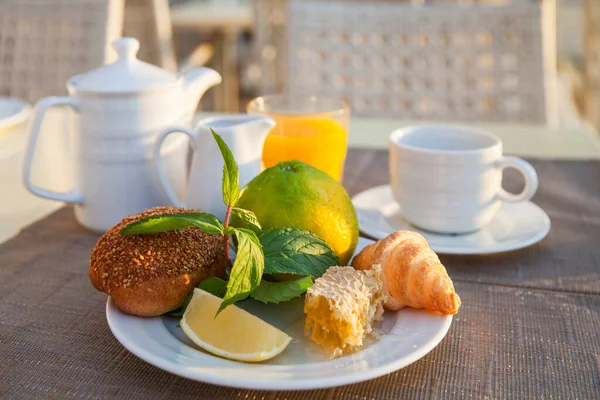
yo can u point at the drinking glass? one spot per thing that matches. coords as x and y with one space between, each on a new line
312 129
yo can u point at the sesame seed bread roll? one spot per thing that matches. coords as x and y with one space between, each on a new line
149 275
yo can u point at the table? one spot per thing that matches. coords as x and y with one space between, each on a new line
528 326
520 140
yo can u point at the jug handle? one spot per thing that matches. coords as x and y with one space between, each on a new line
162 177
74 195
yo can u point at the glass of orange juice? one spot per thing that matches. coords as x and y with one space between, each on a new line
312 129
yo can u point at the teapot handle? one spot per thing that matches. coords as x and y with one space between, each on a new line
73 196
162 177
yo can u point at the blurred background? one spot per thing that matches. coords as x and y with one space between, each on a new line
259 44
506 61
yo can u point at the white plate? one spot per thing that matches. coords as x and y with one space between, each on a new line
12 112
408 335
516 225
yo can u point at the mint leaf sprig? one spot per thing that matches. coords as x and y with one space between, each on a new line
246 271
288 251
277 292
230 187
163 223
266 292
296 251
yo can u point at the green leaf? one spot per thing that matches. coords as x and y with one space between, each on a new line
214 286
247 269
163 223
251 235
296 251
276 292
231 174
243 190
249 218
229 230
178 312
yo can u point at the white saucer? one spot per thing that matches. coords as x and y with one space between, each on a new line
516 225
405 337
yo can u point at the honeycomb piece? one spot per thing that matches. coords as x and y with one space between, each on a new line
341 307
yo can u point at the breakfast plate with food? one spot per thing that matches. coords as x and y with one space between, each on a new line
401 338
272 298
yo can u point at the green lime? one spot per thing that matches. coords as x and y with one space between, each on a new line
297 195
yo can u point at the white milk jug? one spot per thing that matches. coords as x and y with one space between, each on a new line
243 134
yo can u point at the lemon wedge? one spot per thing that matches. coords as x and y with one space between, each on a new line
234 333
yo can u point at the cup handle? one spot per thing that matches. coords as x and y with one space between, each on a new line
529 174
160 171
73 196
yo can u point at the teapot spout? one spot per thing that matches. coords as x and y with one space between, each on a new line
197 82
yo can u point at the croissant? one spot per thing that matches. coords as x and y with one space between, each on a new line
412 273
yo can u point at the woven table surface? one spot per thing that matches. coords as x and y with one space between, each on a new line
529 326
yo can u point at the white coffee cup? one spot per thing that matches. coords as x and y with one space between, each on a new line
448 179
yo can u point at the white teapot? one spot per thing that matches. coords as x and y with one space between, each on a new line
122 107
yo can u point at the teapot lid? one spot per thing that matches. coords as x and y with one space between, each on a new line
126 74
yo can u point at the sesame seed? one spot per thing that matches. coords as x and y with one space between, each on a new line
115 260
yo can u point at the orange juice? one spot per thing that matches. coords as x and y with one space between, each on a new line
320 142
309 128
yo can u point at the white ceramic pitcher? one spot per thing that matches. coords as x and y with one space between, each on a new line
121 109
243 134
